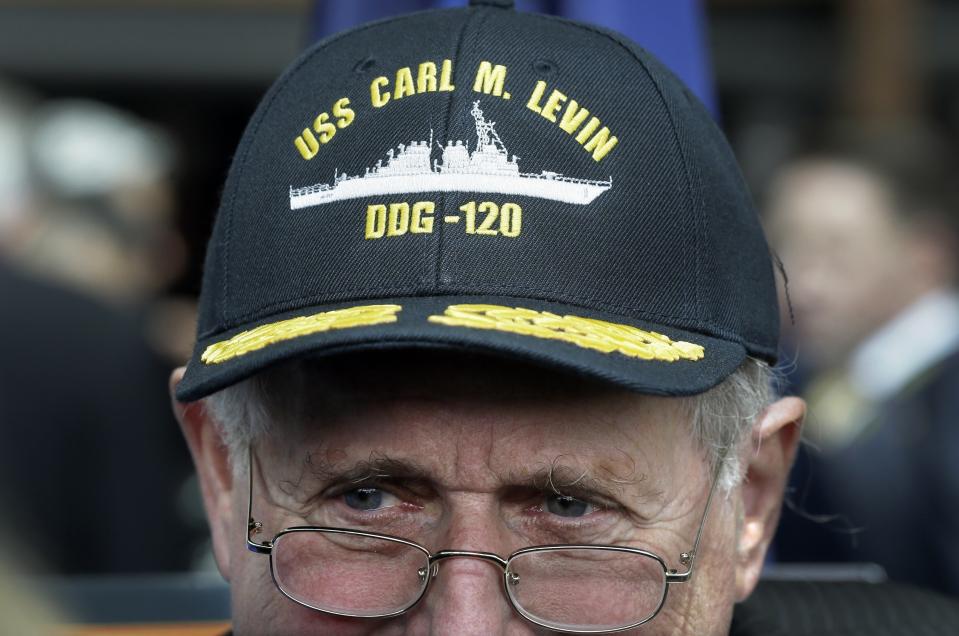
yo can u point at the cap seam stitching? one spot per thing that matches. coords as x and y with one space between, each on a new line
438 261
248 140
679 146
698 219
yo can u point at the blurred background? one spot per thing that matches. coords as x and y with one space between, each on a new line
118 121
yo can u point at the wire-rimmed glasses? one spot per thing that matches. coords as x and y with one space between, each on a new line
581 589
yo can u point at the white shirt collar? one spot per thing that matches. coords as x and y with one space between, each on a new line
914 340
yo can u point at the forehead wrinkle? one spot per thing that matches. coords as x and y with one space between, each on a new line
489 455
660 429
475 449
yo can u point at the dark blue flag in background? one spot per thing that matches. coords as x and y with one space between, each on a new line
673 30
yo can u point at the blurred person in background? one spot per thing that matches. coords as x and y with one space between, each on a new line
104 221
866 233
82 408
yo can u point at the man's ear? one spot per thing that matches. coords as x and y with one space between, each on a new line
211 459
775 437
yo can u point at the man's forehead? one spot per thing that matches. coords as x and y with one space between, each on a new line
426 413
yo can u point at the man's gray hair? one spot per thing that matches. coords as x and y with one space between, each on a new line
720 419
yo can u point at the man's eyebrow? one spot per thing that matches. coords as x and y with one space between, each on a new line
376 466
562 478
561 475
565 480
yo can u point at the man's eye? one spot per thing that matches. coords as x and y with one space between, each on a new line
566 506
368 499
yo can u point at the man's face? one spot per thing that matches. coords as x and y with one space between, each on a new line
836 232
482 456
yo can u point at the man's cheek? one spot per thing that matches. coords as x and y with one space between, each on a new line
303 620
259 609
282 617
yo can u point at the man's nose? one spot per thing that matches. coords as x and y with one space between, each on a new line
467 598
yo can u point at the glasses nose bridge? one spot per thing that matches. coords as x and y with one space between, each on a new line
488 557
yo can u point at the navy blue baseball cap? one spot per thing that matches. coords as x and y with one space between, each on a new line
489 181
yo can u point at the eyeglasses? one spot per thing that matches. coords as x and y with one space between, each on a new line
580 589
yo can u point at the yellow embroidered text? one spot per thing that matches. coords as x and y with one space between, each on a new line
325 127
404 85
399 219
510 217
265 335
589 333
598 142
489 79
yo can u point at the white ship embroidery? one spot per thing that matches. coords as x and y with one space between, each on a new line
489 168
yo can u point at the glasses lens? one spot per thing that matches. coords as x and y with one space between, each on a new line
349 574
586 589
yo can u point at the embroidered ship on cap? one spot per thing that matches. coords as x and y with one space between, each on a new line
489 168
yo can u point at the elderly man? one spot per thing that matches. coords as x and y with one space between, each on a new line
443 388
475 459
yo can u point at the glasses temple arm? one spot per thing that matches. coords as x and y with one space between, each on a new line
688 558
253 527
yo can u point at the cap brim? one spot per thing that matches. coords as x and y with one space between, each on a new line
224 359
